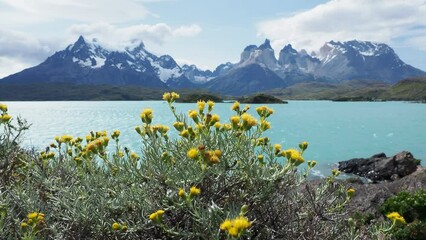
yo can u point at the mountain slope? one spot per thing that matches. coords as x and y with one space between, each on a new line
362 60
88 63
245 80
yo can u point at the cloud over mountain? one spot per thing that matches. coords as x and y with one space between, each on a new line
342 20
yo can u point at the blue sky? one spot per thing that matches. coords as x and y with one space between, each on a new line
204 32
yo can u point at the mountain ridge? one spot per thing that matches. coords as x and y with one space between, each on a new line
88 62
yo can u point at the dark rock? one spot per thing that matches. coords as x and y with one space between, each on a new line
369 197
261 98
379 167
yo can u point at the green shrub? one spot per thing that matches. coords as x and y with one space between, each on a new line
216 180
410 205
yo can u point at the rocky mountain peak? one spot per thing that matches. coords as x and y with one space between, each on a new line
265 45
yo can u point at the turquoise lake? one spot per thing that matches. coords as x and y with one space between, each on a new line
335 130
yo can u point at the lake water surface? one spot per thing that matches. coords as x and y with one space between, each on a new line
335 130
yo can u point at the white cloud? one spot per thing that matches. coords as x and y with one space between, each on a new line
386 21
22 12
116 36
10 65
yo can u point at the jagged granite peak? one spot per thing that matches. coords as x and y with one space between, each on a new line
292 60
263 55
265 45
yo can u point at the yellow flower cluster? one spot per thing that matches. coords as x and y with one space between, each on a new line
212 156
63 139
3 107
303 146
396 218
117 226
34 219
157 216
350 192
97 145
236 106
170 96
115 134
192 153
194 191
47 155
236 226
293 156
146 115
312 164
264 111
4 117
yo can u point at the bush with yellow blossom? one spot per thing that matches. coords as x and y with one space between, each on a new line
217 178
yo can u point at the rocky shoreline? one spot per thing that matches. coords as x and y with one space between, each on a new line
386 176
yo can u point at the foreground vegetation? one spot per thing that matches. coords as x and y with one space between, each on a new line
220 179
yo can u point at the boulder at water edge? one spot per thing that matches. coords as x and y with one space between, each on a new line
379 167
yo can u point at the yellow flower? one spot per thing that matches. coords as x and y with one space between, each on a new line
175 96
217 125
235 120
233 231
235 226
65 138
24 225
134 156
226 225
167 96
277 147
120 153
396 218
218 153
192 153
264 111
194 191
236 106
32 215
3 107
179 126
124 228
241 223
147 116
157 216
185 133
153 216
6 117
193 114
201 105
215 119
181 193
350 192
116 226
248 120
303 145
210 105
170 97
265 125
115 134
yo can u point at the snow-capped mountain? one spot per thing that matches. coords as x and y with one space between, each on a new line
362 60
88 62
91 63
335 61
